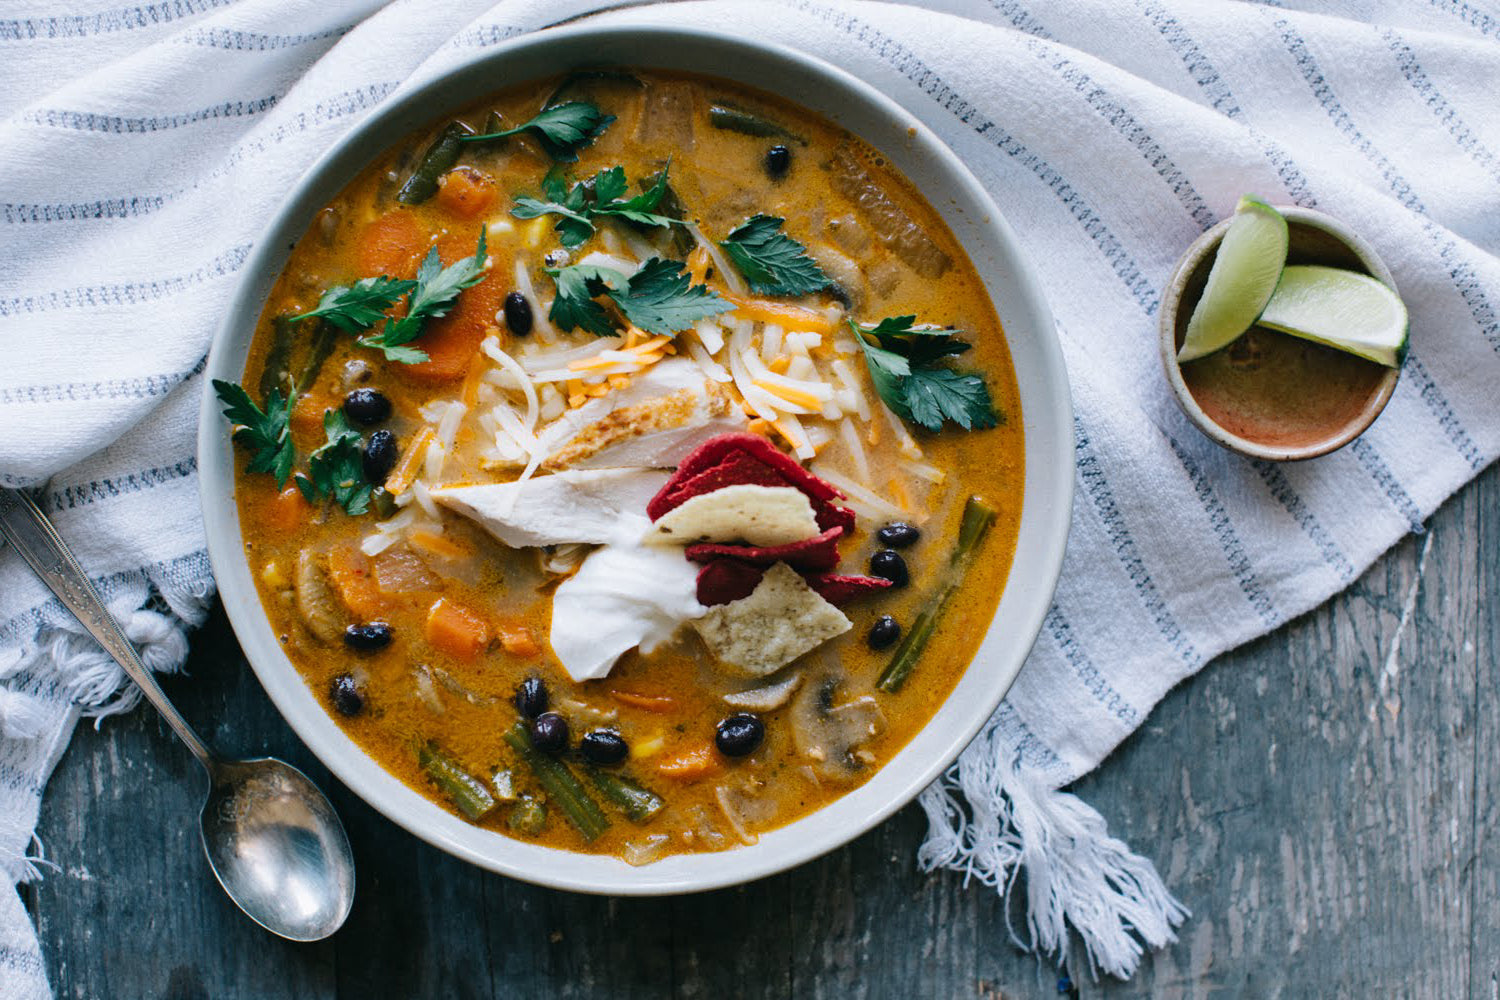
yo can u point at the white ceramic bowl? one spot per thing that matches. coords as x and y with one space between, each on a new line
1046 412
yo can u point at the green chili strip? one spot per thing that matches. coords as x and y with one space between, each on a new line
277 374
977 518
466 791
560 784
635 801
440 158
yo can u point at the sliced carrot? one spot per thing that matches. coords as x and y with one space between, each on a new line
307 420
697 761
645 702
518 641
451 342
349 572
465 192
456 630
781 313
392 244
289 512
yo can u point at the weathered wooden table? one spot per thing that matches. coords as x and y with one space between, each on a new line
1325 800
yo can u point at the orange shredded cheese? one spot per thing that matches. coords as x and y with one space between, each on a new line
780 364
405 472
797 397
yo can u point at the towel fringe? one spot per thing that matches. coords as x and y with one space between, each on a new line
1009 822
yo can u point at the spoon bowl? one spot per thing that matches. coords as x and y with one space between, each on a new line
277 847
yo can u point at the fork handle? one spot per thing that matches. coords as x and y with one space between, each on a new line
32 535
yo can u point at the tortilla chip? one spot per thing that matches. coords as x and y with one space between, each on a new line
755 515
816 554
840 590
725 580
780 620
735 459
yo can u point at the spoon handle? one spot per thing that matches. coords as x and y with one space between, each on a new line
31 534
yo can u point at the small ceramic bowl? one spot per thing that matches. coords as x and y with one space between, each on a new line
1269 395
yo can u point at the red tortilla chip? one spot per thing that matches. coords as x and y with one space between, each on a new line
738 459
818 553
725 580
840 590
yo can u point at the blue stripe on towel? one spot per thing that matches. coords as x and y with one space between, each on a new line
142 387
1096 484
1371 460
1445 112
1442 411
129 19
130 292
255 41
1229 539
1095 682
87 121
1274 476
83 494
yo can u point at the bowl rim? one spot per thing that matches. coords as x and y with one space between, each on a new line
1167 341
1047 418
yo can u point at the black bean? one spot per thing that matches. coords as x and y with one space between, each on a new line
778 162
531 697
890 566
347 697
518 314
367 406
739 735
604 746
884 632
380 456
898 535
369 636
549 733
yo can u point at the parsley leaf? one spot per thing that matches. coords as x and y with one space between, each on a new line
432 295
562 130
356 308
659 298
267 431
574 305
907 372
336 469
772 262
600 195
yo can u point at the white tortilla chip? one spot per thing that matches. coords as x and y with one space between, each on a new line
782 619
755 515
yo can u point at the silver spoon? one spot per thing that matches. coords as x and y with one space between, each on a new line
272 838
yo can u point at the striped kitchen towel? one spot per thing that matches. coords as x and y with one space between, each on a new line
142 148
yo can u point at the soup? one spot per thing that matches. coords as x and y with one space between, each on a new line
632 464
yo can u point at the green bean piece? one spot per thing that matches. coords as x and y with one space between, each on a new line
528 815
560 784
977 517
440 158
325 338
733 119
462 788
637 802
577 82
277 374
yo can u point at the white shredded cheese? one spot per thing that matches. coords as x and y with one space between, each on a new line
856 449
864 501
425 501
770 342
540 324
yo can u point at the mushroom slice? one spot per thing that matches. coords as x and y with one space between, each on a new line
744 807
830 735
317 604
767 698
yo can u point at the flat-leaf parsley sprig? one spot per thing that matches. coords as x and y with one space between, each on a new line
561 130
602 195
771 262
659 298
905 363
267 433
336 469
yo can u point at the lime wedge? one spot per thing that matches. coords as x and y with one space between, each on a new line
1344 309
1241 281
